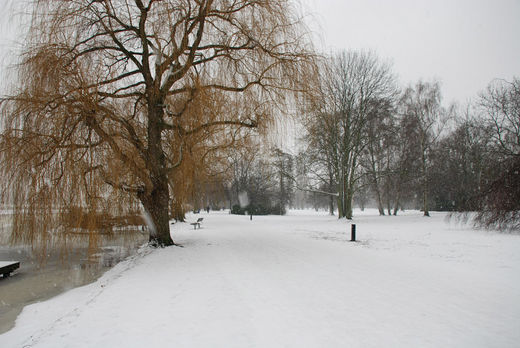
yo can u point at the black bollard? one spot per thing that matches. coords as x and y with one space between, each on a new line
251 217
353 233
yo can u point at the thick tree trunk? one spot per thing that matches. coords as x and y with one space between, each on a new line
341 206
156 201
348 208
156 206
345 204
345 200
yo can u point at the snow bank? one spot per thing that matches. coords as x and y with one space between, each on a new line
296 281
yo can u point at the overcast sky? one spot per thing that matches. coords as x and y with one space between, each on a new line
462 43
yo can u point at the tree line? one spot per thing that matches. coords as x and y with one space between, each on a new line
368 141
368 138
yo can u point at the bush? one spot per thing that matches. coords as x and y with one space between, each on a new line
258 209
237 210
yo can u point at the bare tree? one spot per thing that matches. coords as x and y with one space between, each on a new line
462 163
501 105
377 158
319 156
112 94
499 202
337 127
421 105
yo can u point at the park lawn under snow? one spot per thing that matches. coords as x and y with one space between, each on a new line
296 281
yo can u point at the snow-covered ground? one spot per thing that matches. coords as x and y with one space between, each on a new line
296 281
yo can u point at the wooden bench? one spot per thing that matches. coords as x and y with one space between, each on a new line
197 224
6 267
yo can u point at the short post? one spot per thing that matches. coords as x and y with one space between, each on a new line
251 216
353 232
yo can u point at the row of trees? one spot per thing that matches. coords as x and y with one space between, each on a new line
367 137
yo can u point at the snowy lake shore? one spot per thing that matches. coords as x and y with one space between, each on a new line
39 280
296 281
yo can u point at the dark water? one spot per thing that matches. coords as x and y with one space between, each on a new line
36 281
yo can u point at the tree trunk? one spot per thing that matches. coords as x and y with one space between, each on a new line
348 204
387 196
345 197
396 206
340 201
377 190
341 205
156 207
397 198
331 188
156 201
425 197
379 200
282 189
349 194
425 184
399 184
331 206
375 182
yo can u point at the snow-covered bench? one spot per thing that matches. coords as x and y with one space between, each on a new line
197 224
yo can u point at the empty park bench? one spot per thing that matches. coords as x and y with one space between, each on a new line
6 267
197 224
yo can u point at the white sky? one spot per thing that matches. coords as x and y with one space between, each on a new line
462 43
10 36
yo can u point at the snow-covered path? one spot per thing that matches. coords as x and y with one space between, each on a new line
295 281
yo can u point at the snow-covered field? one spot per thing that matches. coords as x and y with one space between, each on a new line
296 281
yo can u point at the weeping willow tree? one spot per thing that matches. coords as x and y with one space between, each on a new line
113 95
